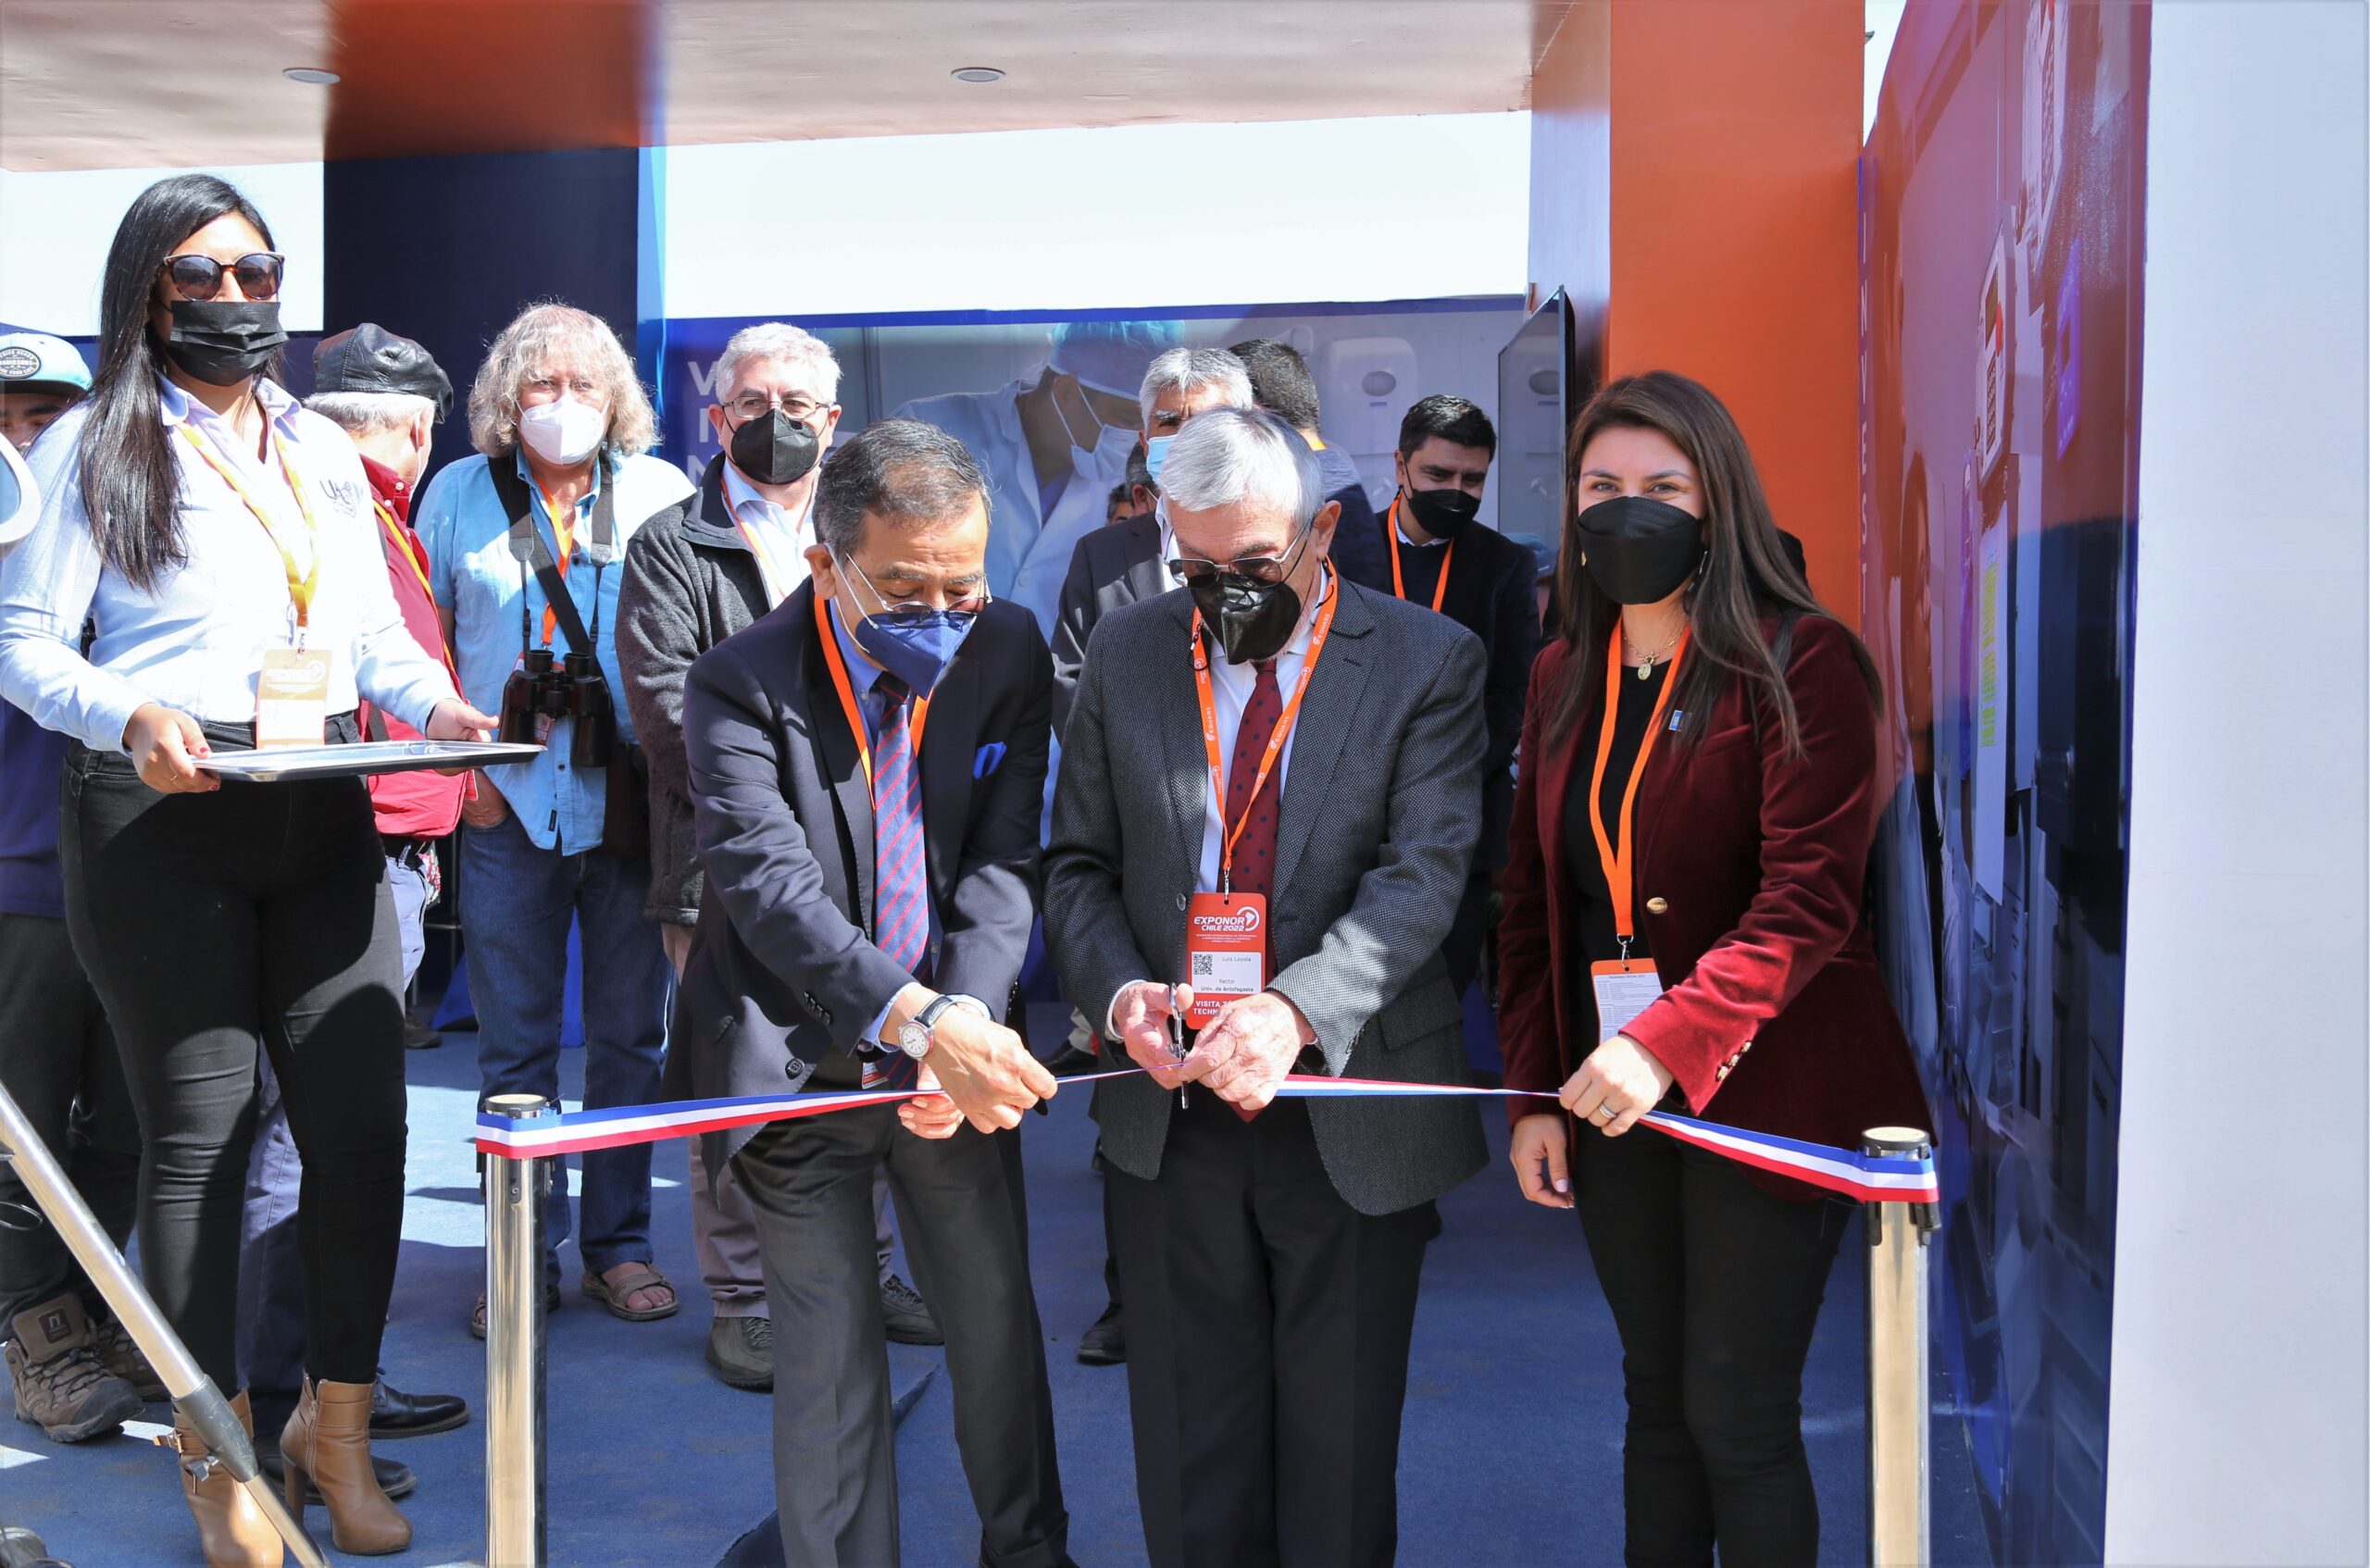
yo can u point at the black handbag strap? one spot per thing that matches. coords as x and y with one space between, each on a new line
527 545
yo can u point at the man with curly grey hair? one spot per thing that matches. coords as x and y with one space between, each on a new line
526 542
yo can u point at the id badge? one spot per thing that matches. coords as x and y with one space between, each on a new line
1625 988
291 698
1226 952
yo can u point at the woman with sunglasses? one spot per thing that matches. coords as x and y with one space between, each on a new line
211 533
1683 930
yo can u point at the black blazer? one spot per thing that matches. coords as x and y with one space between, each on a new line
1491 593
783 968
1111 566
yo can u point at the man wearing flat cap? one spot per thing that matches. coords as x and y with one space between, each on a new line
389 395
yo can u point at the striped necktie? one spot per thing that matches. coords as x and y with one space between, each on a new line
900 858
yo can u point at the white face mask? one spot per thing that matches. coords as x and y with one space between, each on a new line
563 431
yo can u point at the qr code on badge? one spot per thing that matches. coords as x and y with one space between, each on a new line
1205 965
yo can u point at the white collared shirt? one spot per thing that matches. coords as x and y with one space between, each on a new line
784 533
1167 554
195 642
1230 689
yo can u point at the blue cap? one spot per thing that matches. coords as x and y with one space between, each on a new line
1111 357
37 357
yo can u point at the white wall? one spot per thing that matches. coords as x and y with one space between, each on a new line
54 230
2235 1430
1396 208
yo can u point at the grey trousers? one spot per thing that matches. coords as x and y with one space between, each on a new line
961 1206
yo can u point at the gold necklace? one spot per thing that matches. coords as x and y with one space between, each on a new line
1646 666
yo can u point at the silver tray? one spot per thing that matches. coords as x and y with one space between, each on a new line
365 757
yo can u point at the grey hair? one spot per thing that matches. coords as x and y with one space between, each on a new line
1190 369
367 414
532 337
1245 457
778 340
901 469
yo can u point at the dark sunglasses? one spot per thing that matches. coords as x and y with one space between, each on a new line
1258 568
200 276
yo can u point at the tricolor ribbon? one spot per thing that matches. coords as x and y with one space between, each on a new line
1872 1178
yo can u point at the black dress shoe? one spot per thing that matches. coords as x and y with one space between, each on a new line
1105 1344
905 1315
394 1476
395 1413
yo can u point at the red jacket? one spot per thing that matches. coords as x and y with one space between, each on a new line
412 805
1775 1017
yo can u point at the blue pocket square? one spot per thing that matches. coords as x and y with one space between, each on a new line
988 759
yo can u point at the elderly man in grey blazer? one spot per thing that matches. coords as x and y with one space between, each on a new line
1270 782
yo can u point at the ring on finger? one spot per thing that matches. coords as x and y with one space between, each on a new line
1607 1113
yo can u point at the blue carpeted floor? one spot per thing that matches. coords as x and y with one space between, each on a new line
1510 1454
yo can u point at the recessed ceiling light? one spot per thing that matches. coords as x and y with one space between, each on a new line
311 76
979 74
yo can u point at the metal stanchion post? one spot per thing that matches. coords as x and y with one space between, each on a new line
193 1393
515 1531
1900 1503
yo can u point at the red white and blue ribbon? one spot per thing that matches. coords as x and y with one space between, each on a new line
1874 1178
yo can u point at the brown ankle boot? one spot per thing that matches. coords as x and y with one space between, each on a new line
329 1439
232 1529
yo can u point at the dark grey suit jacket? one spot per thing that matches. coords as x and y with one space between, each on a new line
1111 566
782 967
1382 809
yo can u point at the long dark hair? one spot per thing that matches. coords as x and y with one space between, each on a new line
1746 577
132 477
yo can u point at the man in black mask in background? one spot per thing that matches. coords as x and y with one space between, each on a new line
695 574
1429 550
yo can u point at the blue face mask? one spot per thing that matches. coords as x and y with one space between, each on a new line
1156 453
916 645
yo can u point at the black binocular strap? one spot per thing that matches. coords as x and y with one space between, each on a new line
527 545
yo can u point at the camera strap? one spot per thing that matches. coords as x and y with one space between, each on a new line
527 545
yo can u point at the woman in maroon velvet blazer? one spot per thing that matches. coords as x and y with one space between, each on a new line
1751 995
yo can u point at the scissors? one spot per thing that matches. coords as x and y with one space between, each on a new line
1177 1043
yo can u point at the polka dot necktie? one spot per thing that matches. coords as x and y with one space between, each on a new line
1254 852
901 886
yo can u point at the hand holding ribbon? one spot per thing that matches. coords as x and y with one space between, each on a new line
1139 1017
1619 1082
1248 1051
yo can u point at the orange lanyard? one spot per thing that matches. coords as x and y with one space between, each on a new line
766 567
300 585
1391 542
408 545
564 530
847 695
1275 743
1619 859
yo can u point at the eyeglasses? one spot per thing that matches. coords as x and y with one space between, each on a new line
200 276
915 609
753 406
1258 568
549 389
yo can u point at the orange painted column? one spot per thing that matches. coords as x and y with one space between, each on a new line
1732 172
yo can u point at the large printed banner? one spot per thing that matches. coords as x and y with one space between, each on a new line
1052 461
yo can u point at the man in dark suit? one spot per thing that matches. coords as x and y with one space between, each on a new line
1427 550
1280 383
1270 1251
867 765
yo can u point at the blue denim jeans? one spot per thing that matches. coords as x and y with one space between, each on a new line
516 902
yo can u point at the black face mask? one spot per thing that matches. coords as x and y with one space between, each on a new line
1252 620
775 448
1442 513
224 342
1640 551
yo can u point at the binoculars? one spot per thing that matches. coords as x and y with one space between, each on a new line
569 688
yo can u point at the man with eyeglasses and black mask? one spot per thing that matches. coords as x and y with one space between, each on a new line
1429 550
696 573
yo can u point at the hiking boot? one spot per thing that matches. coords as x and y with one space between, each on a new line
741 1350
119 1354
61 1385
906 1315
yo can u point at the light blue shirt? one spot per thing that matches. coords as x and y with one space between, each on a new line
462 525
785 533
195 642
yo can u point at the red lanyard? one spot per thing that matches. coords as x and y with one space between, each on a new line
563 532
847 694
303 585
1390 542
1618 858
1316 634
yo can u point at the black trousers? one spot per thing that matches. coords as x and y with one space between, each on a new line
252 918
1267 1332
1714 1284
58 1063
962 1210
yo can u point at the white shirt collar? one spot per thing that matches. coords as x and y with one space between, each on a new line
739 494
178 408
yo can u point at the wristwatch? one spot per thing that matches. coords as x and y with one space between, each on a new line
914 1040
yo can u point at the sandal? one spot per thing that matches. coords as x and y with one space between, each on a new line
614 1296
477 1318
